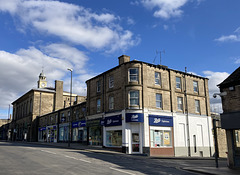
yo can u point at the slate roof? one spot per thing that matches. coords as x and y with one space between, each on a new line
231 80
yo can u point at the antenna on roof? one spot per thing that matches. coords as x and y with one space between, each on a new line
159 52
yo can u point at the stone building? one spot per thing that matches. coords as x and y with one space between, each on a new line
54 126
37 102
230 118
151 109
4 129
220 136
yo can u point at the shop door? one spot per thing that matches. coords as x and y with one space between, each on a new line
135 143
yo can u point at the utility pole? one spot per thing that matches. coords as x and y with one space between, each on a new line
70 117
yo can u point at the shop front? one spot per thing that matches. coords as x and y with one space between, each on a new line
94 132
161 135
113 131
134 121
79 131
63 132
42 134
52 133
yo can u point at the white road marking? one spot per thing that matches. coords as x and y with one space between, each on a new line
122 171
77 159
85 160
29 147
48 152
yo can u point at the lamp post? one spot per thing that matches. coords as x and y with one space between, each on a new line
70 117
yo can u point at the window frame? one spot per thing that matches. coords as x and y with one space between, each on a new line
178 83
111 102
131 79
195 86
180 106
111 81
98 105
158 78
197 106
98 86
134 98
159 101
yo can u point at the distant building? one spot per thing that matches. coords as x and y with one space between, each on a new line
4 129
54 126
149 109
37 102
230 118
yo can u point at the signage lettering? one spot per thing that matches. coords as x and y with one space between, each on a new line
157 120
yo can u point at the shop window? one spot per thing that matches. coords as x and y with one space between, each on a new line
157 78
178 83
114 138
180 103
134 98
133 74
195 86
161 138
197 106
159 101
111 81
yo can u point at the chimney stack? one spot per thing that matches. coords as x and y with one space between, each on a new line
123 59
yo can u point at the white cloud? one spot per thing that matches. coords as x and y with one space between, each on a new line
165 9
215 78
20 70
165 27
230 38
72 23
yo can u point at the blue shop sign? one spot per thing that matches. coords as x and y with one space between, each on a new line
134 117
158 120
113 120
81 123
42 128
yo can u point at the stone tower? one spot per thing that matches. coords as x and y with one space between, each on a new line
42 81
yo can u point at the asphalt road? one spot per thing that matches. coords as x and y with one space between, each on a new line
24 159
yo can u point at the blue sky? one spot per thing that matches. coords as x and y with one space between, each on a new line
89 36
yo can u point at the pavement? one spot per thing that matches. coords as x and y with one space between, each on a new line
98 149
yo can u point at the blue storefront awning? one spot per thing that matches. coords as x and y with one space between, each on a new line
42 128
158 120
115 120
135 117
77 124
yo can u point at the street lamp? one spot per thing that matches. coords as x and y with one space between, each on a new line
70 117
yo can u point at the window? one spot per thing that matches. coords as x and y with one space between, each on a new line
114 138
133 74
180 103
99 105
111 102
63 118
161 138
157 78
111 82
158 100
197 106
195 86
56 117
99 86
178 82
134 98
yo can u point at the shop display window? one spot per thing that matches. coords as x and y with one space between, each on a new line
160 138
114 138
